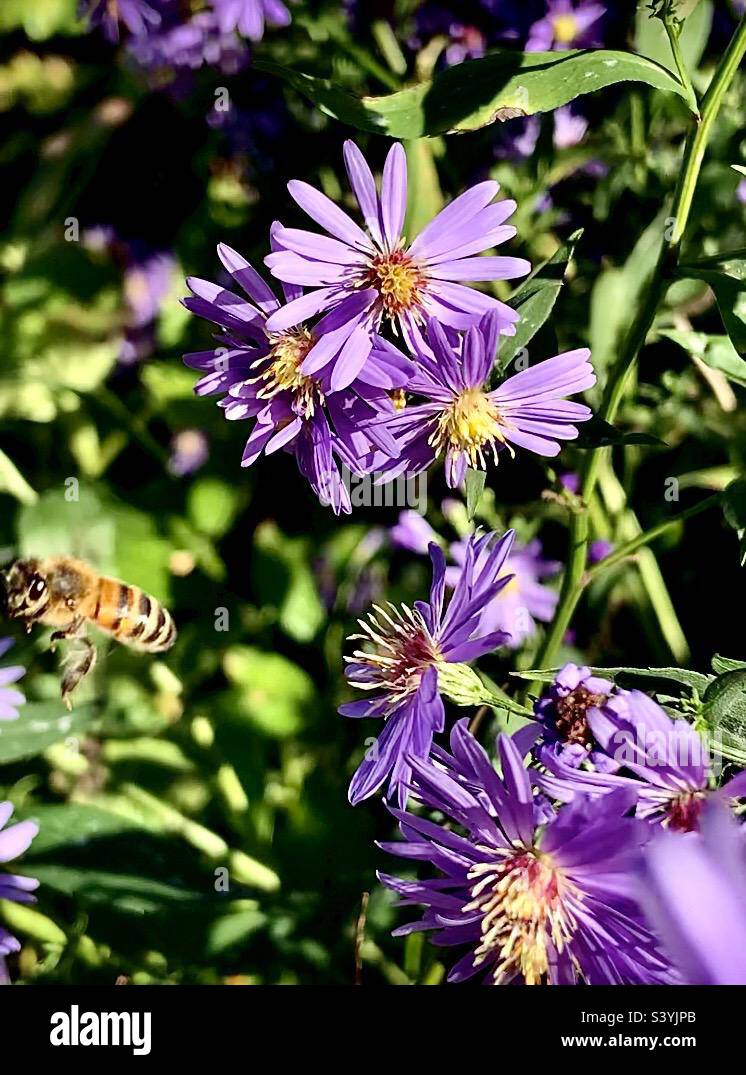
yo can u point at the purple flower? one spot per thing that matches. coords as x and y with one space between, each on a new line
563 714
412 532
566 25
465 422
13 842
368 277
695 896
599 550
147 281
10 698
532 904
137 15
260 376
249 16
414 656
569 128
524 600
669 760
189 451
184 46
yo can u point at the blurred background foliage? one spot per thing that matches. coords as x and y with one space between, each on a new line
194 822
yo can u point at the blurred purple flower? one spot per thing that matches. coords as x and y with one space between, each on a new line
741 192
569 128
137 15
694 894
532 904
412 532
260 375
249 16
184 46
570 481
567 24
414 649
366 277
465 422
190 450
13 842
10 698
599 550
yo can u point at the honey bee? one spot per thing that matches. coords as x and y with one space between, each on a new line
70 595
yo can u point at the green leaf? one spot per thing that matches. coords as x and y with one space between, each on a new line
734 504
283 578
475 93
717 352
729 286
275 694
652 41
724 712
39 725
596 433
425 198
697 681
475 480
726 664
13 482
535 298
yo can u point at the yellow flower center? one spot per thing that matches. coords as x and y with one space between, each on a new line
565 28
398 281
469 424
283 374
523 899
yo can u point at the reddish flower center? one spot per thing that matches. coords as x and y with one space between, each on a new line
523 899
404 650
683 812
571 720
398 281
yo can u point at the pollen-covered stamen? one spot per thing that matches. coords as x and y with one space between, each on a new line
524 900
565 28
571 720
280 370
405 649
471 424
398 280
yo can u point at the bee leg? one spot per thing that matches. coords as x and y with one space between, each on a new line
71 631
79 665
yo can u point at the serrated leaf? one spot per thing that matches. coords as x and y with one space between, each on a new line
724 711
726 664
695 680
534 300
473 94
39 725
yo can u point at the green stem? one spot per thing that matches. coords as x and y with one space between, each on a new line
673 29
649 536
694 150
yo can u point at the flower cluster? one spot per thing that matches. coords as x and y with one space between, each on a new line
318 372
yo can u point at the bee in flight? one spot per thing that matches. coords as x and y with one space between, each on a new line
69 595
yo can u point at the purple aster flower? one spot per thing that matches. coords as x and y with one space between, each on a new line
137 15
416 651
531 903
147 281
464 421
13 842
369 276
260 375
695 896
10 698
517 138
563 714
741 192
570 481
669 760
566 25
249 16
190 450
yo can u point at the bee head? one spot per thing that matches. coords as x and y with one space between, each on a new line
25 590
